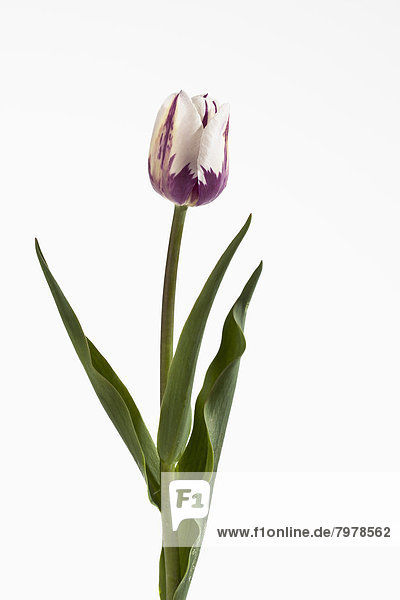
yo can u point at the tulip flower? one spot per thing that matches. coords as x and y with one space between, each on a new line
188 158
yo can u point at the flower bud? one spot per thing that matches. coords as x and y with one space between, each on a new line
188 158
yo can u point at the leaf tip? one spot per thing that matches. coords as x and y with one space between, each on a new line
39 253
246 226
257 271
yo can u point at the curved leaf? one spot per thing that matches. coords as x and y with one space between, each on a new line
175 417
188 561
212 411
188 565
110 390
214 401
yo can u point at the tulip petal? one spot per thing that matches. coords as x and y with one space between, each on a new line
212 163
186 135
174 149
206 106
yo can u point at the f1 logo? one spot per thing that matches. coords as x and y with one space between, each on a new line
189 499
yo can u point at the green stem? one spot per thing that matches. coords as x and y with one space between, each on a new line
171 554
168 301
172 571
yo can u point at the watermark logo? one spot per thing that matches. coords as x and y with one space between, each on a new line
185 504
188 499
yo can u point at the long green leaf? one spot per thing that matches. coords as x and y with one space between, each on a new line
188 560
188 564
175 417
214 401
110 390
212 410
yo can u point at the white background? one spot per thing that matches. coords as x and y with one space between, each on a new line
314 148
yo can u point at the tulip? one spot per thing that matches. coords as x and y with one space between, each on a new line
188 158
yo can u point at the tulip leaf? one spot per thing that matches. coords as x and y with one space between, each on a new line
214 401
212 410
188 561
175 416
110 390
189 558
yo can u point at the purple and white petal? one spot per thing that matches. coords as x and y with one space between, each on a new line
159 141
174 148
186 136
206 106
212 162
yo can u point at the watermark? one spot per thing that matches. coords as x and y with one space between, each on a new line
305 509
265 509
185 504
291 532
